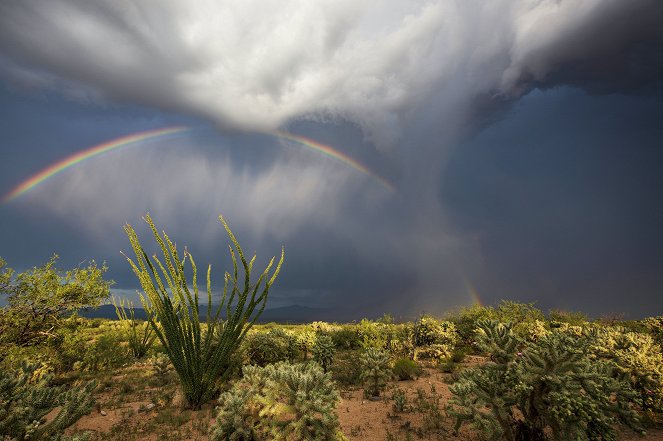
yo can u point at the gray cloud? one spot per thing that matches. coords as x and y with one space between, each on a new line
415 77
252 65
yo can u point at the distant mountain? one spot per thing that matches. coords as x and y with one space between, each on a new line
286 314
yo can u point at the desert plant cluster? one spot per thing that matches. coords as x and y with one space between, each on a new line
506 372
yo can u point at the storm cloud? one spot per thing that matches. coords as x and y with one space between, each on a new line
404 85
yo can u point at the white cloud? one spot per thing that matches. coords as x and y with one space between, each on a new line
257 64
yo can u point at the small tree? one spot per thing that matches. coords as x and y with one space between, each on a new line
40 298
200 358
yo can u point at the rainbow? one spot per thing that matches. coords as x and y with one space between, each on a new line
152 135
332 153
81 156
472 292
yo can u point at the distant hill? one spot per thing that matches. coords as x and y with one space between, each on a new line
286 314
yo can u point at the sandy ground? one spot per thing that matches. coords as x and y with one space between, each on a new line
360 418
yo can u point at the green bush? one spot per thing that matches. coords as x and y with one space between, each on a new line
345 370
429 331
346 337
373 334
553 385
654 327
262 348
41 299
406 369
140 335
282 401
200 358
26 398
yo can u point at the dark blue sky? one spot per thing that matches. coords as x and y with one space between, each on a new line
523 142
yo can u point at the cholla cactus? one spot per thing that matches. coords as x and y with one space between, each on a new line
281 401
531 330
640 359
305 341
376 370
26 399
555 384
323 351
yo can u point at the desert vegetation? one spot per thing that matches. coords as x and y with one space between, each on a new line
504 372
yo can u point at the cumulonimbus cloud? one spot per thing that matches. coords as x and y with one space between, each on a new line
256 65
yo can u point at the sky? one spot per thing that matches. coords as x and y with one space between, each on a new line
409 156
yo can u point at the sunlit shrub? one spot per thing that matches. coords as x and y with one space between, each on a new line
262 348
406 369
429 331
346 337
373 334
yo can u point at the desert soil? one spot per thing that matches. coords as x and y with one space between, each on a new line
130 417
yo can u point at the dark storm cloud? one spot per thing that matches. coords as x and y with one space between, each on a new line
619 48
395 84
563 196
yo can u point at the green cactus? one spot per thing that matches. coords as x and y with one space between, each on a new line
26 399
141 335
200 357
281 401
555 383
376 370
323 351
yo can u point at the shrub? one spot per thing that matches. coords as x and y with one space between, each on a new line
400 400
435 352
373 334
323 351
26 399
375 370
263 348
199 358
571 317
103 352
281 401
345 370
40 299
346 337
554 383
406 369
467 318
654 326
141 335
429 331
